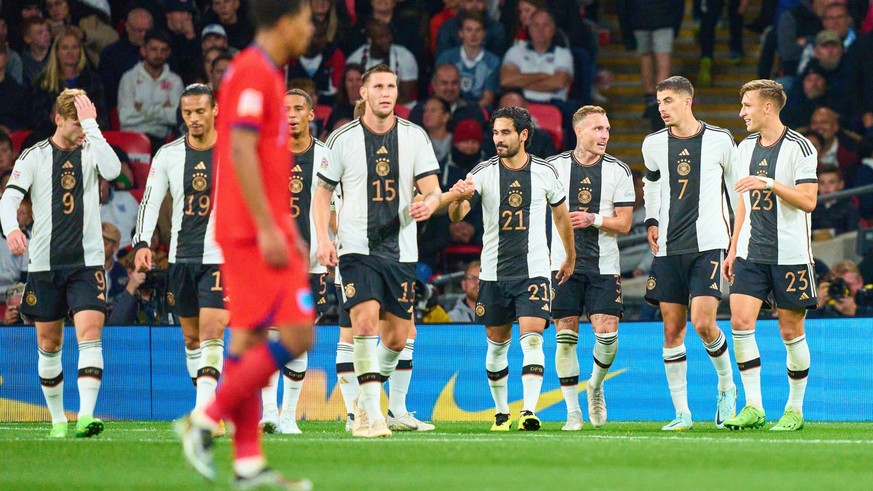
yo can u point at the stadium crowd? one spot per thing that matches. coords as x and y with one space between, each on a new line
456 61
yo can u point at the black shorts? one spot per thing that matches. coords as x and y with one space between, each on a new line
342 312
791 286
51 295
391 283
319 285
596 293
504 301
192 286
675 279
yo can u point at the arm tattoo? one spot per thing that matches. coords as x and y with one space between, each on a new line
326 185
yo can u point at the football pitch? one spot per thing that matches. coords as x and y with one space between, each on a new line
145 455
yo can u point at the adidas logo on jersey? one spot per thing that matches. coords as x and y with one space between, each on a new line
586 181
297 169
101 296
515 184
546 308
804 296
67 165
200 166
763 163
618 299
381 150
684 153
714 286
322 301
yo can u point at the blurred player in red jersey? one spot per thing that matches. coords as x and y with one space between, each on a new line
265 273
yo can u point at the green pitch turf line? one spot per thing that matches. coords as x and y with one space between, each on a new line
458 456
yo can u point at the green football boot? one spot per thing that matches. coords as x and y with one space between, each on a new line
790 421
749 418
88 426
59 430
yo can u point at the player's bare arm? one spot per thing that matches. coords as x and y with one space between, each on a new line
321 215
727 269
271 241
458 199
804 196
430 201
618 224
561 217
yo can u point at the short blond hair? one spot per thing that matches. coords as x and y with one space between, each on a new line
584 111
768 90
65 105
843 267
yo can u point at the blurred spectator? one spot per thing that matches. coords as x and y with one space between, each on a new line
479 68
323 62
234 19
652 25
141 301
204 74
37 42
807 96
122 55
380 48
14 108
213 36
797 28
13 295
119 209
450 9
839 146
835 17
93 18
539 144
815 138
184 44
333 18
67 68
18 15
436 119
14 66
13 269
843 293
465 152
834 217
864 177
407 29
346 94
446 83
116 274
542 70
218 67
464 309
839 71
710 14
524 10
7 154
149 92
495 35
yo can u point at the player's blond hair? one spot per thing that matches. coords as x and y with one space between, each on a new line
768 90
65 105
584 111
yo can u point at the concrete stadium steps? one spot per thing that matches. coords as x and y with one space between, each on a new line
718 105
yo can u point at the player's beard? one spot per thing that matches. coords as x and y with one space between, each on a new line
509 150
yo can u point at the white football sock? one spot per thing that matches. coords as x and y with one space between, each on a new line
400 379
367 370
721 360
51 378
749 365
209 371
532 369
90 375
676 367
605 348
567 367
497 368
798 371
295 372
345 374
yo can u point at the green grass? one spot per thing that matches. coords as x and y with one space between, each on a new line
458 456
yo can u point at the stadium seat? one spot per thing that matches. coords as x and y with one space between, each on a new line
548 117
322 112
138 147
460 253
18 138
402 111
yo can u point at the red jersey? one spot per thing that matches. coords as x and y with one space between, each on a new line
252 97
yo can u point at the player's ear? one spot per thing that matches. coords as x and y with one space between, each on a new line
215 110
312 114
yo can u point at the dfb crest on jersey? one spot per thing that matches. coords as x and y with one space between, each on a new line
684 167
30 299
650 284
584 196
68 179
171 299
382 167
198 182
480 309
296 185
350 290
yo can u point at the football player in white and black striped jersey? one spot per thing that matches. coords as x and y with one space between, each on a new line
771 249
689 166
514 283
379 160
185 168
600 198
66 273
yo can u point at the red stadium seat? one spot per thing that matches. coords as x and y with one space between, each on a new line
402 111
549 118
139 148
322 112
18 138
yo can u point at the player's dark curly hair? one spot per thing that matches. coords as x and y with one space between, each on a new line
520 118
265 13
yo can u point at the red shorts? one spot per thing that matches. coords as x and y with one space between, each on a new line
260 296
